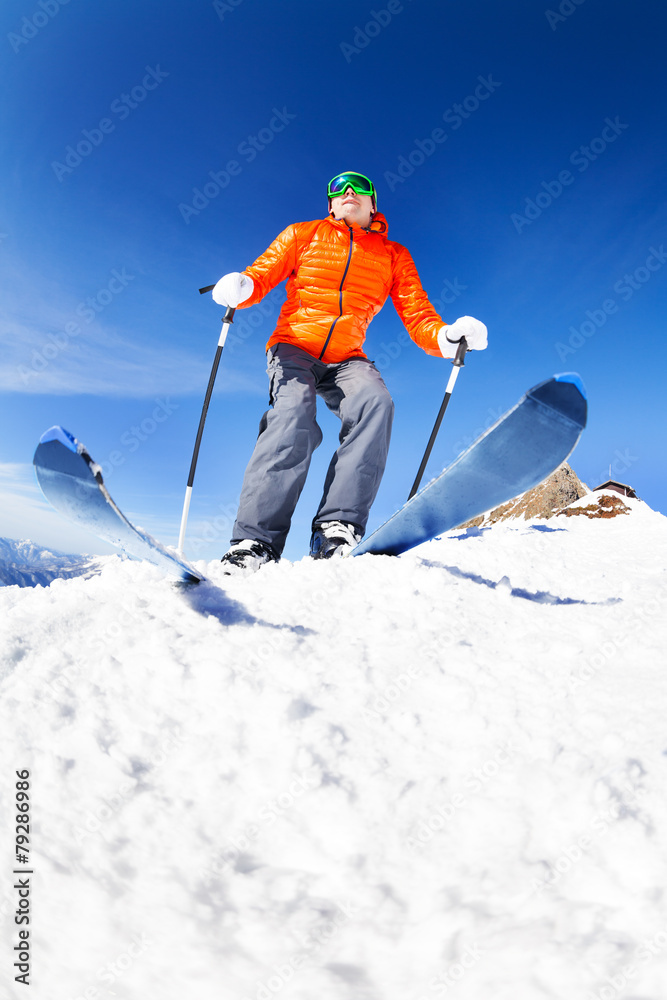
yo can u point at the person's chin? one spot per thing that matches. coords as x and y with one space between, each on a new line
351 217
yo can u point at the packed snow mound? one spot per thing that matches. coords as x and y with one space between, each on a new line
375 778
24 564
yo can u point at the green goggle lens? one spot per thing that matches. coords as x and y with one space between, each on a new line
359 184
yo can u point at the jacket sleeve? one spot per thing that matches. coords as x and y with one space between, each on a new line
417 314
274 265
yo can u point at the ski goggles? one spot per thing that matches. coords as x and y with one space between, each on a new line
359 184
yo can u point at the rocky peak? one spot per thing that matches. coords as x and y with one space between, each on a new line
559 490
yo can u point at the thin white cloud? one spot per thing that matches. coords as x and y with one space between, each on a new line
50 345
25 514
100 362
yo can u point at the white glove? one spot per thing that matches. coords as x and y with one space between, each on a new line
473 330
232 289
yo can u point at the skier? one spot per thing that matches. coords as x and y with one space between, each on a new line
340 271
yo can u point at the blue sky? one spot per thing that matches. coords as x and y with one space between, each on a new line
518 150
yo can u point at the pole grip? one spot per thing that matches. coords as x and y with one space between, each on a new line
461 353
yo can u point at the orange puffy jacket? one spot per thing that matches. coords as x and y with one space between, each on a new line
339 277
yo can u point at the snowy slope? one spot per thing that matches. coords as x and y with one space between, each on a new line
375 779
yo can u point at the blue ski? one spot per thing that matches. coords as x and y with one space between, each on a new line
72 483
516 454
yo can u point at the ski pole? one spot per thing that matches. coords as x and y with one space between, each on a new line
458 363
227 319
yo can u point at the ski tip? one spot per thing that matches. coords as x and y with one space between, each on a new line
58 433
575 379
565 393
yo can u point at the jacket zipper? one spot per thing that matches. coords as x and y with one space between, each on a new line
340 297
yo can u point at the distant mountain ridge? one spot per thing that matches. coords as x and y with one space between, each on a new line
24 564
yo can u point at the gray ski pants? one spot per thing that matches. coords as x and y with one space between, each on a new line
289 433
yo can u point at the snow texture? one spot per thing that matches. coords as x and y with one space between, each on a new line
379 778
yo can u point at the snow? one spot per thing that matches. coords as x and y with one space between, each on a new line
379 778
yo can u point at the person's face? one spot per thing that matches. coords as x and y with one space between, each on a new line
354 208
